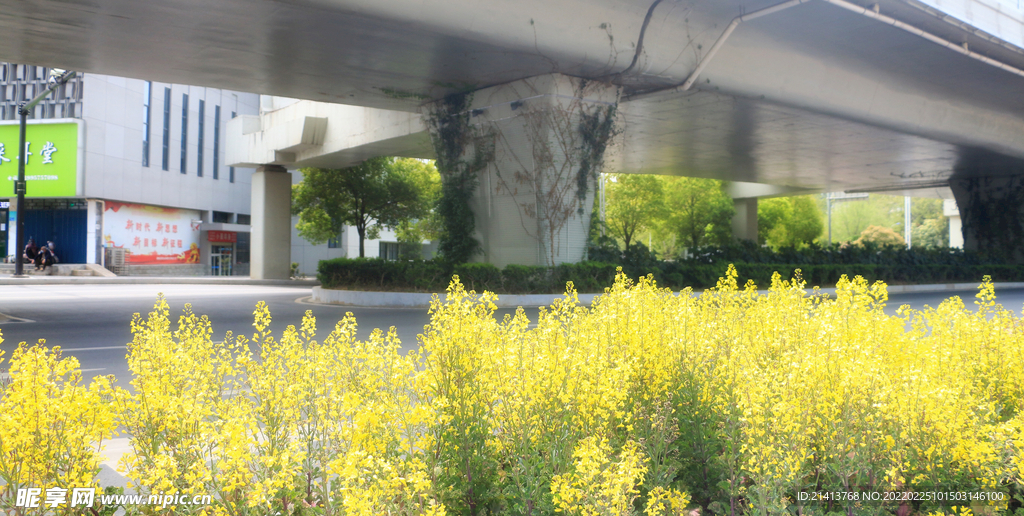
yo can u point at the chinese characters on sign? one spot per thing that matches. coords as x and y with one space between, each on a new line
152 234
222 236
51 159
47 153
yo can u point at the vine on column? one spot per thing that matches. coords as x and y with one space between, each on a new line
461 154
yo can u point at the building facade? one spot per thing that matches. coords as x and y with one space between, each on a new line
127 168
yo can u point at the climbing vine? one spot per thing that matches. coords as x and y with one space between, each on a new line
460 155
596 129
993 215
550 177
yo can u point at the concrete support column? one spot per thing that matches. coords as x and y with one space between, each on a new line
744 222
992 215
270 246
532 203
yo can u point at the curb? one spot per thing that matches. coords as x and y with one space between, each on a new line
355 298
419 300
153 280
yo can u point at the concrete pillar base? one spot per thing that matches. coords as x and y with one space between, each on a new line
992 215
744 222
532 204
270 244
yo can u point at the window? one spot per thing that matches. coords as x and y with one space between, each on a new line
199 151
389 250
222 217
147 91
231 170
184 133
167 127
242 219
335 243
216 142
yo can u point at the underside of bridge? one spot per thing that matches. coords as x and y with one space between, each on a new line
808 95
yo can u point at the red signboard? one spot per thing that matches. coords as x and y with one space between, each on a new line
222 236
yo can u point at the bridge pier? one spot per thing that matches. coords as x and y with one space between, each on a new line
533 199
744 222
992 214
270 246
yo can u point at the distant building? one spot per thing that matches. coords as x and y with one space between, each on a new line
117 163
139 166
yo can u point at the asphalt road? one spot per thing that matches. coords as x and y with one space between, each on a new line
91 322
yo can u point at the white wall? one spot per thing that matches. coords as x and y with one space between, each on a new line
113 111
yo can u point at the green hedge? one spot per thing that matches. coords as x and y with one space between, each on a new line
434 276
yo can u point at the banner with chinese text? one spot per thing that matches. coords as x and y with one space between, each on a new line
153 235
51 166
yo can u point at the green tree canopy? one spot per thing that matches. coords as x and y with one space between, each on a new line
880 236
789 221
380 192
699 211
634 202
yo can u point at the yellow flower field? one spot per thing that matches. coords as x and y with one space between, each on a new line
648 402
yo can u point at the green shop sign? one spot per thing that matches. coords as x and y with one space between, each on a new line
52 166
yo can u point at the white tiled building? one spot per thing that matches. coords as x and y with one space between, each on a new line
141 167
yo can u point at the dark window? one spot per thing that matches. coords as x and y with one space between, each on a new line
221 216
167 128
389 250
231 170
243 219
202 124
216 142
242 248
146 95
184 133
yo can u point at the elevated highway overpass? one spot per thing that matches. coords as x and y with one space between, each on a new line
804 95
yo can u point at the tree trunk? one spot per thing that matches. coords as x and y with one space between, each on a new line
361 229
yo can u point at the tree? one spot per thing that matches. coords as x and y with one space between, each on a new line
380 192
929 227
789 221
880 236
699 211
634 202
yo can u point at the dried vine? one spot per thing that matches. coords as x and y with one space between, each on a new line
562 167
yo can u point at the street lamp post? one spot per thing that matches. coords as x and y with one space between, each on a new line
58 77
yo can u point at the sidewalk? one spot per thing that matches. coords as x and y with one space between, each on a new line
9 279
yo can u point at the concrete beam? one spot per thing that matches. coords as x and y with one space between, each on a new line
299 135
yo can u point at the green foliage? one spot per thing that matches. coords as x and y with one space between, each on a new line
788 221
880 236
635 202
460 157
931 234
851 218
596 129
929 227
820 266
380 192
699 211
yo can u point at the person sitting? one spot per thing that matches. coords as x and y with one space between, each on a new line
31 252
46 256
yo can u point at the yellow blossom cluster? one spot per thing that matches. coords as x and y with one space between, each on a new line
734 401
52 427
